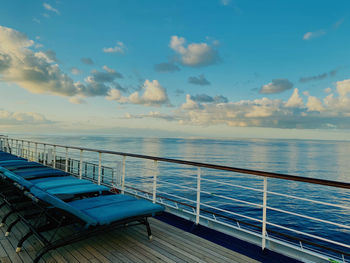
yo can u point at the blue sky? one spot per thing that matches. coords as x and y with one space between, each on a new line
216 68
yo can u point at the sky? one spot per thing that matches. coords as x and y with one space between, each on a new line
218 68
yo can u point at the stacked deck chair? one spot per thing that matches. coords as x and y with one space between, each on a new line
46 199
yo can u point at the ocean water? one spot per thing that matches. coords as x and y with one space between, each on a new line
316 159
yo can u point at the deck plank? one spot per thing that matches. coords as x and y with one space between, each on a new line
125 245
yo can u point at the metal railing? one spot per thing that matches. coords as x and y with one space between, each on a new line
221 197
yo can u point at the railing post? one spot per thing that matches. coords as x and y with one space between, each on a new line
36 152
81 165
66 163
22 149
198 195
54 157
44 155
155 180
263 242
123 175
99 168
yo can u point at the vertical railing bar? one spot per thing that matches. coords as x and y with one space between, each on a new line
81 165
263 242
155 180
99 168
66 163
28 156
54 156
36 152
16 147
123 175
198 194
22 149
44 155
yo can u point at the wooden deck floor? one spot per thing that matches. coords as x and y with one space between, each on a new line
131 244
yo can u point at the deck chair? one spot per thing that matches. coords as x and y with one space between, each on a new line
64 187
94 215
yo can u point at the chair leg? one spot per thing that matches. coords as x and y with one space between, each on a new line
21 241
3 221
11 226
149 233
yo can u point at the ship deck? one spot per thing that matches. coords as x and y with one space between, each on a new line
130 244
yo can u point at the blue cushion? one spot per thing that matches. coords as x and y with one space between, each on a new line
62 181
10 157
122 210
54 201
17 161
33 167
88 203
12 161
77 189
19 164
45 173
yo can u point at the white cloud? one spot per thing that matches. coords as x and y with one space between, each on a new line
190 104
18 118
34 71
311 35
343 87
276 86
333 112
38 72
194 54
314 104
114 94
153 95
50 8
295 101
151 114
77 100
118 48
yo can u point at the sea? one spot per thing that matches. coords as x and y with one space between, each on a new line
319 159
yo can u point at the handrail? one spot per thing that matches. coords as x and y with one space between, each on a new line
211 166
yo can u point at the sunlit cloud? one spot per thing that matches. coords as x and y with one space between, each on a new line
194 54
118 48
315 34
153 94
50 8
331 112
19 118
